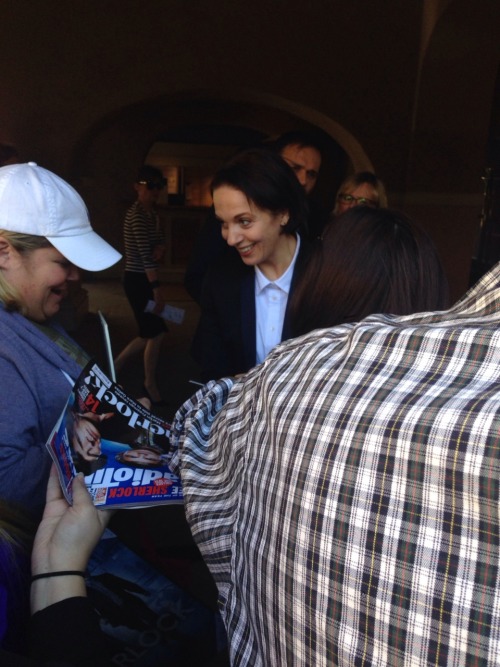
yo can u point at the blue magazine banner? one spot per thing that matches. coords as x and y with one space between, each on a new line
116 442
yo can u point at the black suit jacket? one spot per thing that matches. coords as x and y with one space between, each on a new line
225 340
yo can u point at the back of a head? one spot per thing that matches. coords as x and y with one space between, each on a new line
368 261
266 181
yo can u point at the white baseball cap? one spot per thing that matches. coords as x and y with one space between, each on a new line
35 201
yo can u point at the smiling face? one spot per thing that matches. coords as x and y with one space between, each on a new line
256 234
40 278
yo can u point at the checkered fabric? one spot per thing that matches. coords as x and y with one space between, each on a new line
345 493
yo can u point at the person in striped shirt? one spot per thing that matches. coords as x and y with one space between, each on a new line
144 250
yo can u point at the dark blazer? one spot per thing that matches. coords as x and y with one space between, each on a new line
225 340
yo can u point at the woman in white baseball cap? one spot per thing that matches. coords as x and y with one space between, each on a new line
45 238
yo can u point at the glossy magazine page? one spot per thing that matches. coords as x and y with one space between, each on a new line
118 444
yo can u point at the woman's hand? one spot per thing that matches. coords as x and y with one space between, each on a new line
67 533
64 541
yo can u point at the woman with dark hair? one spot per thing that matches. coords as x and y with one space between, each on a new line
368 261
85 439
261 208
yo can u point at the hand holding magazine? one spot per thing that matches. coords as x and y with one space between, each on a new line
119 445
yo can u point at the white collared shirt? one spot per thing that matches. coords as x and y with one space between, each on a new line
271 297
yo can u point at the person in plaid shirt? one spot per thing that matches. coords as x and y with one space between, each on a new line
345 493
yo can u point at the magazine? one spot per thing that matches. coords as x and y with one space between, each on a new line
119 445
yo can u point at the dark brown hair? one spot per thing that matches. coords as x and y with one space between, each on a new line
368 261
267 181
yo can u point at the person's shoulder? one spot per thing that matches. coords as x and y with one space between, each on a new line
134 206
225 277
12 323
134 212
229 263
317 219
305 246
305 249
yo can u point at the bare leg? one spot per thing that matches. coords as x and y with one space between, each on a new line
135 346
151 356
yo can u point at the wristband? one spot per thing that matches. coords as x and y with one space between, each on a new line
154 284
61 573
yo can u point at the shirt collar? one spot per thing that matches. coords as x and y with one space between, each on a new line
283 282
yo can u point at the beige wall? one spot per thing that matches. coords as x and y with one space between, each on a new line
404 86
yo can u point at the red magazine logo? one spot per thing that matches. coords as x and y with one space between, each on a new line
162 482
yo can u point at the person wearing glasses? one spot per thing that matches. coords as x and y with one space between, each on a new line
144 250
361 189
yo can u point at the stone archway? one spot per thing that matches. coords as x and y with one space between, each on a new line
357 157
105 160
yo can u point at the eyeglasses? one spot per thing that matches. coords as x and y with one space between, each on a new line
154 185
358 201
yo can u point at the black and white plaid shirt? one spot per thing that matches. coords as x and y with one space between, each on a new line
345 493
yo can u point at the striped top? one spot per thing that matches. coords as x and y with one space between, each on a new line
345 493
142 232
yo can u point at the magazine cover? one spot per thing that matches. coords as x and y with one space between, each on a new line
118 444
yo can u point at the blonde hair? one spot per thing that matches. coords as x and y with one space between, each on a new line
352 182
24 244
17 529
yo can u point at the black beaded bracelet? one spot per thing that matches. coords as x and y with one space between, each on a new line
154 284
61 573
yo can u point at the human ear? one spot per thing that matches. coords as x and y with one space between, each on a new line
5 252
285 217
